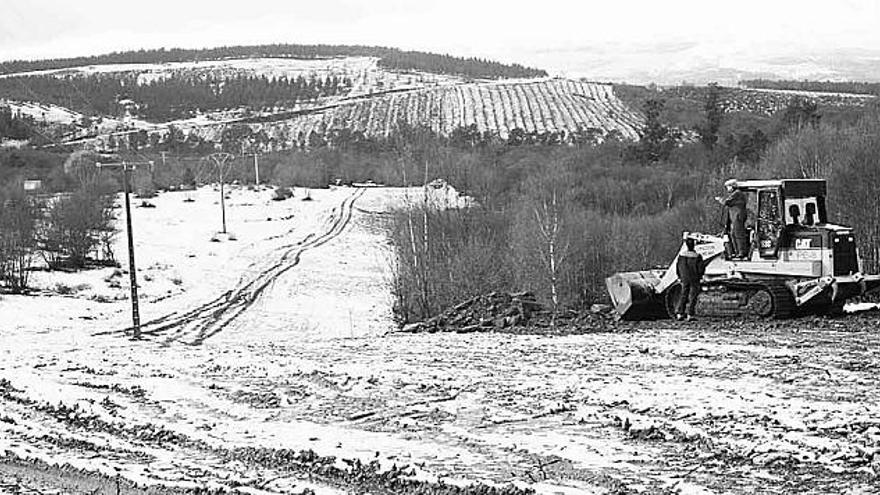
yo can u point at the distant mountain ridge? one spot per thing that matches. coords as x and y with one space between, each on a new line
699 63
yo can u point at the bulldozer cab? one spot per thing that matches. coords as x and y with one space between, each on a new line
784 206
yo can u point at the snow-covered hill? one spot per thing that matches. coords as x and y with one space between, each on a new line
377 102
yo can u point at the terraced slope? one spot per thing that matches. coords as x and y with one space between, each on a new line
560 106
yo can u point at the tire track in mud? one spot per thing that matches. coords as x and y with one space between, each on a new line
198 324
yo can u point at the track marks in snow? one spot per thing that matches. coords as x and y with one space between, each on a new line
198 324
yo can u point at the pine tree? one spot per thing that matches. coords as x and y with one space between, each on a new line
714 114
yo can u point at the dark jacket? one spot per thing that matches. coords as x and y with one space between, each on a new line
690 267
736 210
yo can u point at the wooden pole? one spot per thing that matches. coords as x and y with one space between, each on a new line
127 167
257 168
222 204
135 310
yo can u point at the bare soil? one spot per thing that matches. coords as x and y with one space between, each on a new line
308 389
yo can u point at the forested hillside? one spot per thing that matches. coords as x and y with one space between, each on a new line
136 91
389 58
170 98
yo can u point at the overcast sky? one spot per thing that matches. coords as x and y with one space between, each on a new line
537 32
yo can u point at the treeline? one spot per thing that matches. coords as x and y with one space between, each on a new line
21 164
710 115
170 98
558 220
237 137
477 68
852 87
175 98
242 138
391 58
319 159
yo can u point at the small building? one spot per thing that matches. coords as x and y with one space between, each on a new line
33 186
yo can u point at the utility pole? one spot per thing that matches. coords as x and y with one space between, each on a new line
152 173
127 167
257 168
220 159
256 164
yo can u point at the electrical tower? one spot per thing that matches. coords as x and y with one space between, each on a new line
221 159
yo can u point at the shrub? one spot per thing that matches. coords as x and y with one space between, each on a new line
63 289
66 290
446 256
147 193
188 180
78 226
282 193
18 239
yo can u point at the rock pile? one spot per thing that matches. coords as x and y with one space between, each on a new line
519 312
493 311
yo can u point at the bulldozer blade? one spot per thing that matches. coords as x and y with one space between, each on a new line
634 297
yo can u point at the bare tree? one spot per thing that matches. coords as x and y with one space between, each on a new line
77 226
80 165
418 252
553 248
18 244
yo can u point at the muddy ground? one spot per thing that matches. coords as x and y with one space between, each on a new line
307 389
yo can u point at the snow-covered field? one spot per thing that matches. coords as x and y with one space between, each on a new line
364 72
815 94
43 112
280 339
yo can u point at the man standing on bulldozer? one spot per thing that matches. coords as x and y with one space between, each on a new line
735 202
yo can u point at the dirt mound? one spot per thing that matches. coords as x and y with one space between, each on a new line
519 312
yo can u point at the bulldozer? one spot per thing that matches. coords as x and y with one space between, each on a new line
797 264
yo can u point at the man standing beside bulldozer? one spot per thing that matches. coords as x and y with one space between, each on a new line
735 202
690 269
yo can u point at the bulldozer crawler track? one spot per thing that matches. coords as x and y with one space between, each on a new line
784 305
196 325
780 303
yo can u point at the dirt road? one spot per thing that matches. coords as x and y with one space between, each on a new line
305 362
